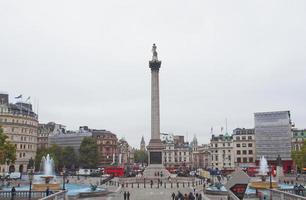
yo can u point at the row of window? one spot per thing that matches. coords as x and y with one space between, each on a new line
244 152
243 137
177 153
244 145
17 121
23 146
245 160
223 144
223 157
175 160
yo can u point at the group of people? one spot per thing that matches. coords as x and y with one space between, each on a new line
190 196
158 174
126 195
298 189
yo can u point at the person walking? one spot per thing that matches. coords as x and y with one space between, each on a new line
47 191
200 197
128 195
13 191
173 196
124 195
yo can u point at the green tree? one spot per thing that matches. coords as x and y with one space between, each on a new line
141 156
299 157
70 158
7 149
89 153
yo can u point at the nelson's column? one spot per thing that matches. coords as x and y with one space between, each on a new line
155 146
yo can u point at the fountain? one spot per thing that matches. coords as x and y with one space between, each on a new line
263 171
48 178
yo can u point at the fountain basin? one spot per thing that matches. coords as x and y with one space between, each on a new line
263 185
44 186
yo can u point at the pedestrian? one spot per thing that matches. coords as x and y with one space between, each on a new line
186 197
124 195
13 191
128 195
200 196
197 196
47 191
173 196
194 190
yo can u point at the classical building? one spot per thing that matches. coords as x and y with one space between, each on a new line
107 147
298 138
222 152
273 137
177 153
125 152
44 130
19 123
73 139
142 144
244 147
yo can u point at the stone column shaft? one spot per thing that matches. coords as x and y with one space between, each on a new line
155 117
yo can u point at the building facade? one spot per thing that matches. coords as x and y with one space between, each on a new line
273 137
222 152
298 138
107 147
72 139
20 124
244 147
126 153
201 157
177 153
44 130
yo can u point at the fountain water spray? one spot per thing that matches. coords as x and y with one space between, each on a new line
47 165
263 166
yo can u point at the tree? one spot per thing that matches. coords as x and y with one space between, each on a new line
141 156
299 157
70 158
7 149
89 153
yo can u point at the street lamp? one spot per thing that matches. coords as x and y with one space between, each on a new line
31 176
64 174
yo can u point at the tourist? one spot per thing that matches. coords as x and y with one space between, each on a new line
296 188
128 195
47 191
13 190
186 197
301 190
200 197
191 196
197 196
124 195
173 196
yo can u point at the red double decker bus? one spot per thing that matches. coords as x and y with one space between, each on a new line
116 171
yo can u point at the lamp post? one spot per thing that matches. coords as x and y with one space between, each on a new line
31 176
64 174
270 167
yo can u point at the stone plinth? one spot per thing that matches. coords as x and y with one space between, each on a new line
44 186
153 169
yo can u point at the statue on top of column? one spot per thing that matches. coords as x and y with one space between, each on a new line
154 58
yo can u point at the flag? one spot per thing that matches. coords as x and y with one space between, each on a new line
28 98
19 97
221 129
211 130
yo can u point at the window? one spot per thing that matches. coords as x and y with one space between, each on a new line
243 137
245 160
244 152
237 138
228 144
251 159
239 160
249 137
224 144
250 144
243 144
250 151
237 145
216 145
238 152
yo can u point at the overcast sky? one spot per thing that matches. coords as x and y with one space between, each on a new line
86 62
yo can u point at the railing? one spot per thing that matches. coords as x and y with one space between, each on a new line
61 195
284 195
21 195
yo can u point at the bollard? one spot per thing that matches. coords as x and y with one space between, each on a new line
188 184
132 185
177 185
171 185
183 184
137 185
165 185
122 185
127 185
192 184
196 182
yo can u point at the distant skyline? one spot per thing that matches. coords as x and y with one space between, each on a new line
87 62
